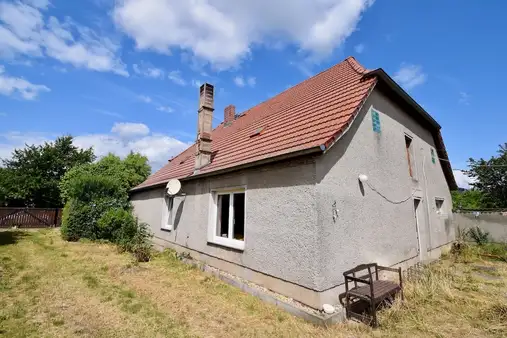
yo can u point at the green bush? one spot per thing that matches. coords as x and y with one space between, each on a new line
117 225
120 227
97 206
83 218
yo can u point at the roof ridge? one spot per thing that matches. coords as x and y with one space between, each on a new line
356 65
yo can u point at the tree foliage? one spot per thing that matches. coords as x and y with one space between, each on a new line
31 176
97 205
491 178
127 173
468 199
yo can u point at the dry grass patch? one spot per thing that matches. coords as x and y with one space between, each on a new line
53 288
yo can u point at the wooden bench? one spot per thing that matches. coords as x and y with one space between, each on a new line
369 290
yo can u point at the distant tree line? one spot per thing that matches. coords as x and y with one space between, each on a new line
489 189
31 177
94 194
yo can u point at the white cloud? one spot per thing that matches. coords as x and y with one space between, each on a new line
196 83
19 86
165 109
252 81
125 129
359 48
145 69
410 76
26 31
223 32
14 140
38 3
108 113
464 98
303 66
157 147
175 76
462 180
145 99
241 82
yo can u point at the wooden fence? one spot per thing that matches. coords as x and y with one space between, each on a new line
30 217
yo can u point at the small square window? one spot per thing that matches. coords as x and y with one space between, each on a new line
439 203
227 226
167 215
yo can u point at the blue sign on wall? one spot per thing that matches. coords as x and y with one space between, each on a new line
375 118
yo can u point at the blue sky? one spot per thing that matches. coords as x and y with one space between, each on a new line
122 75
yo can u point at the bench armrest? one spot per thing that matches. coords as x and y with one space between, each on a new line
355 279
386 268
396 270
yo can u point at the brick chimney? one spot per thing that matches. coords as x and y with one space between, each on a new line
204 126
229 114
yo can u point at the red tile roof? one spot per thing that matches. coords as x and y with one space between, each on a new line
305 116
309 115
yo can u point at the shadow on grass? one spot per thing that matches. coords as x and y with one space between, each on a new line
9 237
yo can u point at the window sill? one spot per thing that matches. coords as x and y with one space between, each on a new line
229 243
167 228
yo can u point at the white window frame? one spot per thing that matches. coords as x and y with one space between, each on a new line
167 213
212 222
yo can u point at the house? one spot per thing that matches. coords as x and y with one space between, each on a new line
342 169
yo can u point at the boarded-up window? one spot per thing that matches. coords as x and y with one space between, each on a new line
410 155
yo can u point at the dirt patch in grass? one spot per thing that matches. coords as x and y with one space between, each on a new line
58 289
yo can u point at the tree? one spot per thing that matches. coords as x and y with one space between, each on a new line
491 178
468 199
129 172
31 176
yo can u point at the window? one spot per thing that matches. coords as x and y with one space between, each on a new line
433 159
439 203
227 225
167 215
410 155
375 118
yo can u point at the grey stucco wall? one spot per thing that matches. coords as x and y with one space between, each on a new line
368 228
493 222
290 232
281 219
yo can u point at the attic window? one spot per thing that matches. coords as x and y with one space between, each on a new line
257 131
433 159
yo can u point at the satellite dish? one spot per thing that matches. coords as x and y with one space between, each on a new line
173 187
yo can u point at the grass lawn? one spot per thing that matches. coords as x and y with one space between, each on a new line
51 288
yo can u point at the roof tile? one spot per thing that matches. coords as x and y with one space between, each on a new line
305 116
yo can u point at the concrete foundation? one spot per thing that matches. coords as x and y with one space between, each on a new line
308 297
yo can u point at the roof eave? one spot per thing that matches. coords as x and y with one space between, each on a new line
291 155
381 74
437 136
